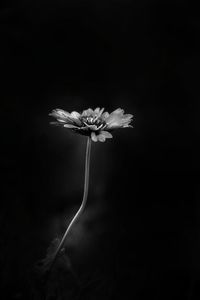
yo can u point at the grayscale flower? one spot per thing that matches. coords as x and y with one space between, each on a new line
94 123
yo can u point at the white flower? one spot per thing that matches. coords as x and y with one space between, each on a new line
94 123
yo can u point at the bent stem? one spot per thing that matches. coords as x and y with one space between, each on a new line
85 195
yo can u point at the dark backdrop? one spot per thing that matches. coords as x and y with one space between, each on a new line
139 234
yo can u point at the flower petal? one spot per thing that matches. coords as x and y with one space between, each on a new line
75 115
56 123
107 134
62 121
128 116
105 115
118 111
101 111
97 113
113 121
97 110
118 119
70 126
59 113
101 138
127 125
64 116
94 137
88 112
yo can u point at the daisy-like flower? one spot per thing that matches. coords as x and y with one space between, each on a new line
94 123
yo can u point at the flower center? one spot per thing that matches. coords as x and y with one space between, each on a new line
93 120
90 120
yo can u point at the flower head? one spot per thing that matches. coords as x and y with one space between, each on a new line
94 123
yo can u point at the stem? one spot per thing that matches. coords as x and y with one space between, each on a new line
85 195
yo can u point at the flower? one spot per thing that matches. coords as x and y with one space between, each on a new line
94 123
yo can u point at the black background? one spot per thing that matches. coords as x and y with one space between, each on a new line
139 234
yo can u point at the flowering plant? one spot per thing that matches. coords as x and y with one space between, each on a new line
96 125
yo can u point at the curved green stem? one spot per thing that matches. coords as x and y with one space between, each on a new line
85 195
